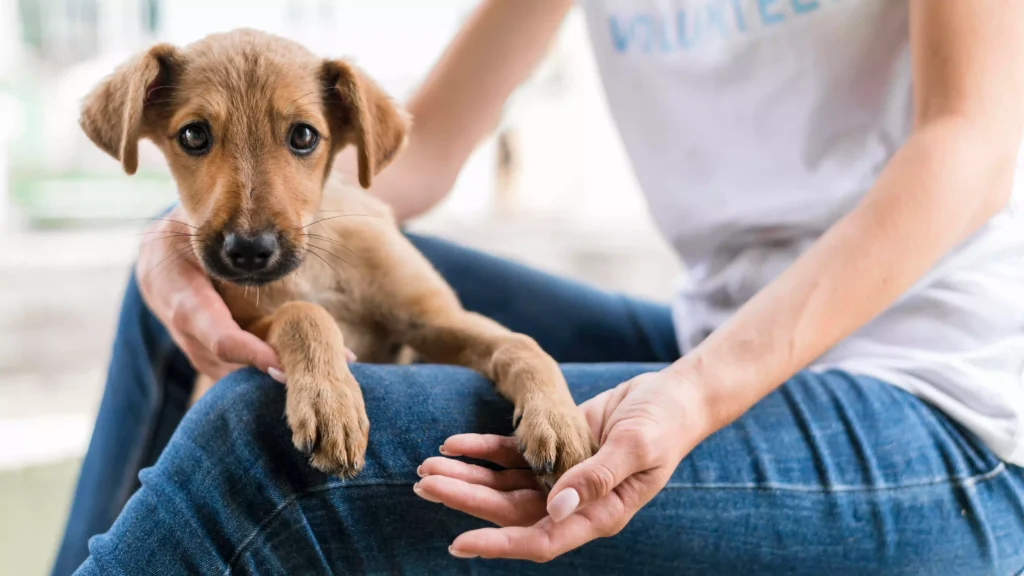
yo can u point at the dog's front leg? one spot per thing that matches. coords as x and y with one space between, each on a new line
324 405
553 435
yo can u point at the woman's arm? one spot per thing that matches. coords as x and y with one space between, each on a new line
460 101
951 176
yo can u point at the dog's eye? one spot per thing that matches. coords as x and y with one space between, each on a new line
303 139
195 139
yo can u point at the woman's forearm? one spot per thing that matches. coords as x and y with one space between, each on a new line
461 99
950 177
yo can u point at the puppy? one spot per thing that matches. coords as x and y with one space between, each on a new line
250 124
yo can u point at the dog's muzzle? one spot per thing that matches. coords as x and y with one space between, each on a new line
249 258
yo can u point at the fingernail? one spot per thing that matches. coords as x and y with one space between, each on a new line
442 450
458 554
277 375
419 492
564 504
419 472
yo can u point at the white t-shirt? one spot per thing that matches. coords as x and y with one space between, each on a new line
753 125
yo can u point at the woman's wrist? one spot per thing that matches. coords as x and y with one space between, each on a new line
692 394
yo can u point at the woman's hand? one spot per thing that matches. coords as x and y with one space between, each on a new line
645 427
180 294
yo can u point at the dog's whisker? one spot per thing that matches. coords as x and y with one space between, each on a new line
178 258
344 211
168 237
161 101
324 261
168 234
291 104
178 232
162 87
329 253
322 237
295 105
332 241
304 96
177 98
205 99
338 216
171 220
188 246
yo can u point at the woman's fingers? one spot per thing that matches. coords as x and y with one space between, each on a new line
236 346
202 314
203 360
516 508
503 480
502 450
596 477
540 542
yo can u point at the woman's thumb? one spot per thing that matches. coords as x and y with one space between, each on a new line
590 480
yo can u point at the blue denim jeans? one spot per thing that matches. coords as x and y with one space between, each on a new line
831 474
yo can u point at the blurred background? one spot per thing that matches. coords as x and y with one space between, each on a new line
551 187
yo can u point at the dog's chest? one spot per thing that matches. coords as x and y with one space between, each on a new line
333 298
366 338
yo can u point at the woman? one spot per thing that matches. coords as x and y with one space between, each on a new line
836 389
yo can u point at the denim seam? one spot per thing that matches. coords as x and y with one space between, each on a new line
968 481
292 500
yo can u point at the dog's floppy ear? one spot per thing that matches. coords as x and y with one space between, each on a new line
363 114
114 114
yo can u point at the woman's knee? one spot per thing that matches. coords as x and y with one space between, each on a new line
411 409
241 417
240 422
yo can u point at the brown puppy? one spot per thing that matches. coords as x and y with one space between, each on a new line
250 124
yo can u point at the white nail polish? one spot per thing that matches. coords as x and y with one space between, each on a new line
564 504
457 554
277 375
419 492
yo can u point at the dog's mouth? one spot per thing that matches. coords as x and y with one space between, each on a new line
285 266
250 267
255 278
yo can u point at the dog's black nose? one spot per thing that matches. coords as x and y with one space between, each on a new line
249 253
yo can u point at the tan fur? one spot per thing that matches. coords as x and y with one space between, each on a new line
360 284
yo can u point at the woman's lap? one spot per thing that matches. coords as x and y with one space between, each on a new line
832 474
149 380
831 471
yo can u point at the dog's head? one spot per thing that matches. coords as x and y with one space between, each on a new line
250 124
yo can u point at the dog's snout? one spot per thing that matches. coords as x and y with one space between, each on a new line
249 253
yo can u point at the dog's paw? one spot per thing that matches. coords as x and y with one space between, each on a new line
553 437
329 424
